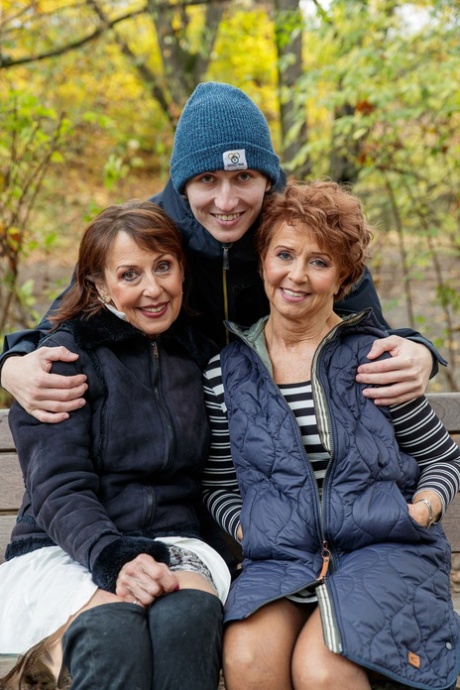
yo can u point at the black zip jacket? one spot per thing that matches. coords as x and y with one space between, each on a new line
126 467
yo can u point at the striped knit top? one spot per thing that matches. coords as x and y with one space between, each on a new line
418 431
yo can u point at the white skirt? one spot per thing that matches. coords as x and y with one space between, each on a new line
40 590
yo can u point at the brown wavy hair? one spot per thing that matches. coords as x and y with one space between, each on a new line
146 224
333 213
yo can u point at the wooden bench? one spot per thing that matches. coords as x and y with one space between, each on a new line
446 405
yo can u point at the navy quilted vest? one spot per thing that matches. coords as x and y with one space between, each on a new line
387 589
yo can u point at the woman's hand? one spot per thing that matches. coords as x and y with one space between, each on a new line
239 533
419 511
403 376
143 580
47 397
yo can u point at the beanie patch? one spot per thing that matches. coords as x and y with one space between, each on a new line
235 160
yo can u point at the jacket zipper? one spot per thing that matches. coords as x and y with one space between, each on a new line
164 412
225 270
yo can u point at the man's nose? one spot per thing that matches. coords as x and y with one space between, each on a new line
226 198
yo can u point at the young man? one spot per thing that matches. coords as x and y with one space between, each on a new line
222 166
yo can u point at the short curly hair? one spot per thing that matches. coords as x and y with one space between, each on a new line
333 213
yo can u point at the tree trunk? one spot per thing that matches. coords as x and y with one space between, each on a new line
293 117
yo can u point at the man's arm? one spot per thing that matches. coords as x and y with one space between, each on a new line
47 397
25 374
414 359
23 342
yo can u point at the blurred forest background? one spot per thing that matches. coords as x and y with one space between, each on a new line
360 91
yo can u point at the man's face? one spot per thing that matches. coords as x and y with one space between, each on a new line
227 203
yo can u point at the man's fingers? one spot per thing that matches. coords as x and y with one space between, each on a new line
384 378
385 366
395 394
390 344
59 403
65 387
48 417
56 354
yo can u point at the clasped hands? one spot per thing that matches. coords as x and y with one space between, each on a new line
143 580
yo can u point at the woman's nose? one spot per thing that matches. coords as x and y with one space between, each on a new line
152 287
298 272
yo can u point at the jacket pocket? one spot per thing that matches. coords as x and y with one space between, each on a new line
381 514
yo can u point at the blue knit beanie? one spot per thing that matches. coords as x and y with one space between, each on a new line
221 129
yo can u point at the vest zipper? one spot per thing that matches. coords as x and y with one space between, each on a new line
225 270
326 556
331 630
325 431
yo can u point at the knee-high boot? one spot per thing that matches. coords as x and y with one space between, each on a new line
108 648
186 637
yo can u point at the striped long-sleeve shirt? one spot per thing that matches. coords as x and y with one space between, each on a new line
418 431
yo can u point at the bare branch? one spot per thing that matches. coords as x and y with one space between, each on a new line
6 62
143 70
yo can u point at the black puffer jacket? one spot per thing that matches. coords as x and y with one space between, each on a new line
126 467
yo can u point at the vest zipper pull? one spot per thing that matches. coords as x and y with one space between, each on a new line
326 556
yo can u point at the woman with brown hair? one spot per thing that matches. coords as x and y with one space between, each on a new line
106 574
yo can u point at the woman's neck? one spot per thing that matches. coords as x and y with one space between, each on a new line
291 345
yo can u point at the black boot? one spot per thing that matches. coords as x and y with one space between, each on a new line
108 648
186 636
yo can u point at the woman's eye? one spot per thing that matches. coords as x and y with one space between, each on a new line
163 267
319 262
285 256
244 176
129 276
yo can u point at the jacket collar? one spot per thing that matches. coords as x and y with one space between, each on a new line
104 328
254 336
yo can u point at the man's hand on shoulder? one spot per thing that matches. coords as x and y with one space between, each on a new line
47 397
403 376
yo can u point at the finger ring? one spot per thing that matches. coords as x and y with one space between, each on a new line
136 601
